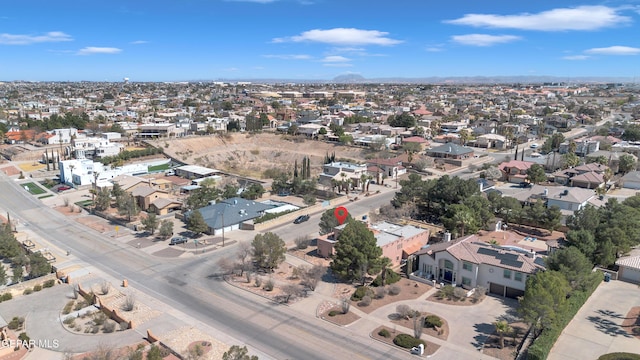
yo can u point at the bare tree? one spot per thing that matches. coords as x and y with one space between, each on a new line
418 326
129 303
291 290
105 287
345 304
244 256
404 311
227 266
312 276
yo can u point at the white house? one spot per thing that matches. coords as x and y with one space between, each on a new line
470 263
629 268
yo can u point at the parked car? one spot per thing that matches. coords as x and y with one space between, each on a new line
178 240
301 219
534 146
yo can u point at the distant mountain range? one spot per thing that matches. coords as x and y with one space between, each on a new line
359 79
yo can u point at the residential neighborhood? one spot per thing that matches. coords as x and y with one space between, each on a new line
352 204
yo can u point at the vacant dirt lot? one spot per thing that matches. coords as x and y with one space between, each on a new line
251 154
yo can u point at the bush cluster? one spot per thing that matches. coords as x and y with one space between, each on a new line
407 341
620 356
334 313
432 321
391 278
384 333
6 296
49 283
361 292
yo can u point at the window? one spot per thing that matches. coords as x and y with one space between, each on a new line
467 266
466 281
517 276
507 274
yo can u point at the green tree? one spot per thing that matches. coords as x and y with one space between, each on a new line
3 276
356 253
584 241
229 191
201 197
150 223
570 160
268 250
127 206
627 163
403 120
502 329
166 229
253 192
545 295
328 221
38 265
536 174
460 220
238 353
572 263
103 199
18 274
196 223
552 143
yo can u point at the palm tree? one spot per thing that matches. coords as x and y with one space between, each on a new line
502 328
463 218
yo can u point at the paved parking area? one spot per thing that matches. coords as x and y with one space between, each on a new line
596 329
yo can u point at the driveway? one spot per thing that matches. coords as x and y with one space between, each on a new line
596 328
469 326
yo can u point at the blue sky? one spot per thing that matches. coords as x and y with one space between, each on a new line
176 40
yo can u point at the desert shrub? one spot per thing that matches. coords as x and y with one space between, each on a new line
109 326
459 293
16 323
432 321
404 311
37 287
28 291
361 292
104 288
99 318
479 293
334 313
79 305
68 307
345 305
49 283
95 329
6 296
258 281
366 301
129 303
380 293
384 333
302 242
89 297
124 325
268 286
391 278
636 331
24 337
70 321
445 292
407 341
394 290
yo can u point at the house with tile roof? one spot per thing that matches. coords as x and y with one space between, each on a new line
629 267
515 171
471 263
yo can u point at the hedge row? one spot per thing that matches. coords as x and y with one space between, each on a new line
541 346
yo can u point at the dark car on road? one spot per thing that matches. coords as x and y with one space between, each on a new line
178 240
301 219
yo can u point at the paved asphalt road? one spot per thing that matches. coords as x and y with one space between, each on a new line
187 285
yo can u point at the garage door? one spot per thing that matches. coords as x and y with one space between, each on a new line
496 289
514 293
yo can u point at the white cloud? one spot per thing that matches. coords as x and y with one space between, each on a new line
342 36
139 42
338 64
561 19
15 39
91 50
335 59
483 39
614 50
576 57
288 57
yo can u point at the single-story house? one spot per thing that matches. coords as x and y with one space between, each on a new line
629 268
631 180
450 151
229 214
